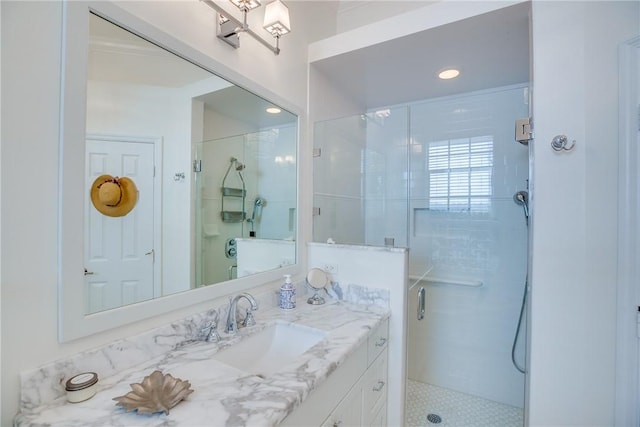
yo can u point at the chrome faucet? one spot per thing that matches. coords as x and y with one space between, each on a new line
232 321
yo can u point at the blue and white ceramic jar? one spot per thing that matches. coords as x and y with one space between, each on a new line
287 294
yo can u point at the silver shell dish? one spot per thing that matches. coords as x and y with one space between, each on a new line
157 392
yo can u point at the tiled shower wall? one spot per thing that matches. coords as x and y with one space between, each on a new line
459 220
270 158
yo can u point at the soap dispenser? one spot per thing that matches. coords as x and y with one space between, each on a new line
287 294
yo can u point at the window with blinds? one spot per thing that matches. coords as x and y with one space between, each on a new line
460 172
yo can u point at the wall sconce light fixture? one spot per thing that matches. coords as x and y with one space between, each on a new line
276 22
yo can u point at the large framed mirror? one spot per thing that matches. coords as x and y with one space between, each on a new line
205 172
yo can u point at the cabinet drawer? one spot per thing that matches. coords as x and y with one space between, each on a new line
378 341
322 401
379 416
375 385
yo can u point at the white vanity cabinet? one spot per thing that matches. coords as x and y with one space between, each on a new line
355 394
375 391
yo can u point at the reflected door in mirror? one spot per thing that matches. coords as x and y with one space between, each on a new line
119 250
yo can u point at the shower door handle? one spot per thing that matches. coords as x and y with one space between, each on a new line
421 302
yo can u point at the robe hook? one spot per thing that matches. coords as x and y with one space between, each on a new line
560 143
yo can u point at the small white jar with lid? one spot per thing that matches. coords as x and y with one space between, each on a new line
81 387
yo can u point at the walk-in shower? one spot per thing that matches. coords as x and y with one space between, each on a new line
439 177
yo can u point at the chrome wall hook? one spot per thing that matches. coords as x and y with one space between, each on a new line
560 143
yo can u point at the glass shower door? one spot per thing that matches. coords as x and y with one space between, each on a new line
470 237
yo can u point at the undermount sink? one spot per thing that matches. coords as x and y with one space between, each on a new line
267 351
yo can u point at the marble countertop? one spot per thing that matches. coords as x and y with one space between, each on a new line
223 395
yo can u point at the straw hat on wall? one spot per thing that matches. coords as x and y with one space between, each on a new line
114 196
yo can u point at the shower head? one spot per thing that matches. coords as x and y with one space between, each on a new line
234 161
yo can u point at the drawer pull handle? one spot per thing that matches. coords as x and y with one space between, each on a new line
381 342
379 386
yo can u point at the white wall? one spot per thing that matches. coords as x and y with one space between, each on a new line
217 126
1 137
255 255
574 203
31 57
29 245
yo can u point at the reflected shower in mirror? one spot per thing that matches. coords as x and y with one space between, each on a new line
206 160
245 201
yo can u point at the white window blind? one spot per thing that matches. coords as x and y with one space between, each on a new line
460 173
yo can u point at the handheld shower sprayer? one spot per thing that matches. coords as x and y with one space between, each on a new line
522 198
258 204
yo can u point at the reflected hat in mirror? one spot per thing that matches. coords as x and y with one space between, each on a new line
114 196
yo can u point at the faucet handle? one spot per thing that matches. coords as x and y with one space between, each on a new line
248 319
211 331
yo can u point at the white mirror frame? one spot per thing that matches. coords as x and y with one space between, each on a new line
73 323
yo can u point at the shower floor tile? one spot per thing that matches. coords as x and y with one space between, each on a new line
456 409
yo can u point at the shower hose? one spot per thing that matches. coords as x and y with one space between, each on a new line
515 339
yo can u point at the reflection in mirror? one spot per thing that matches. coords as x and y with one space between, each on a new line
214 173
245 204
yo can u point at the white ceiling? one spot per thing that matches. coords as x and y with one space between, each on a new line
119 56
491 50
241 105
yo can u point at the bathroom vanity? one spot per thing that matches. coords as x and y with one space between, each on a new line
356 394
340 378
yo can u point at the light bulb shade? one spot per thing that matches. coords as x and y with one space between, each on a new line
246 5
276 18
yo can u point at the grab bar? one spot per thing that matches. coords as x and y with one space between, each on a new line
421 302
448 281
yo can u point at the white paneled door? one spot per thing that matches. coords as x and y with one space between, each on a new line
119 251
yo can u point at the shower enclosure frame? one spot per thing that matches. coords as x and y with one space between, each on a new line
628 311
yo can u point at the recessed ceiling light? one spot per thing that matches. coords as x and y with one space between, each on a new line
273 110
449 73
